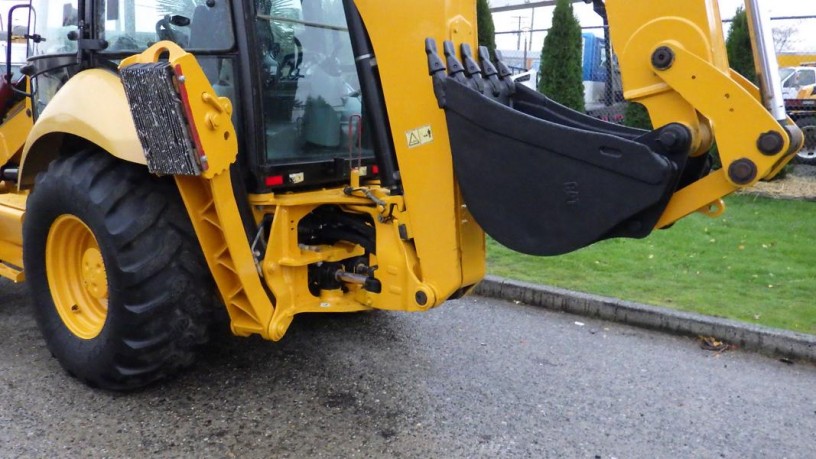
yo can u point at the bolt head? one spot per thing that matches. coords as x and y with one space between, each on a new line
421 298
770 143
663 58
742 171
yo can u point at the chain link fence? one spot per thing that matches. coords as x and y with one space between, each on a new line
603 91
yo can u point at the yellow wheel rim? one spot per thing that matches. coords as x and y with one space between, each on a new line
76 276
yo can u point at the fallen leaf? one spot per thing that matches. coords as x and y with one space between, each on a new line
710 343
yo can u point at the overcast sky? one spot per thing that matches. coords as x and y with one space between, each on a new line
803 41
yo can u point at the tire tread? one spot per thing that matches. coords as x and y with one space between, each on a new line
160 316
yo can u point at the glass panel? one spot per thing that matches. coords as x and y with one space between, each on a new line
54 19
47 84
800 78
808 78
18 57
195 25
312 102
220 72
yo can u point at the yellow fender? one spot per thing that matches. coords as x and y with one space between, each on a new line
92 105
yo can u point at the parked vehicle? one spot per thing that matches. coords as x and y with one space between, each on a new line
802 109
794 79
603 94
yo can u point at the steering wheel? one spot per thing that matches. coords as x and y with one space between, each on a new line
293 61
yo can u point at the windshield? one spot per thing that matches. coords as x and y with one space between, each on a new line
195 25
784 73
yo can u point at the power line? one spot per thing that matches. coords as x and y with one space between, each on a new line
526 5
777 18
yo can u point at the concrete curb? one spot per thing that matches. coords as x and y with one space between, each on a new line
764 340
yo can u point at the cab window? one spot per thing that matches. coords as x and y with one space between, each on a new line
18 57
807 77
195 25
313 108
54 20
801 78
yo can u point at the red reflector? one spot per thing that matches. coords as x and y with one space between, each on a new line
274 180
375 170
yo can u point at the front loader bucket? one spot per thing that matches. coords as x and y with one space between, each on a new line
542 179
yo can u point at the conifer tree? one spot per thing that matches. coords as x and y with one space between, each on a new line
738 45
561 74
486 29
637 116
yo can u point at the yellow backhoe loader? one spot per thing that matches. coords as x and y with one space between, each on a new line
276 157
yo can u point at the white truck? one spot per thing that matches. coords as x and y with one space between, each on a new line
796 78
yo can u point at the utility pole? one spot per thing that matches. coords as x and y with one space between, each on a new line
532 25
529 44
518 42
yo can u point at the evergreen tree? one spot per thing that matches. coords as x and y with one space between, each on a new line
561 74
637 116
487 31
738 45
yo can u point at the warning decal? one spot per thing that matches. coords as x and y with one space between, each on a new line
420 136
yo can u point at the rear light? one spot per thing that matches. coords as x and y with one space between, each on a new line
375 170
274 180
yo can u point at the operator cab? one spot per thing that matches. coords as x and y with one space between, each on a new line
290 74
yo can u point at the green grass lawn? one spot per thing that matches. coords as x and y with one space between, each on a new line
757 264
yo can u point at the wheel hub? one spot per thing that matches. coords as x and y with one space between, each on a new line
93 273
76 276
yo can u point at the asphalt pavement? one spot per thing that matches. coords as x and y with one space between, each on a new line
473 378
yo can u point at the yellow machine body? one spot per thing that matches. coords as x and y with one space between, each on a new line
13 133
428 246
698 90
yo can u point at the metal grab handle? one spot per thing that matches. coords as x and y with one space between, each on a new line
765 60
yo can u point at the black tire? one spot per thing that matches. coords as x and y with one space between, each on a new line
807 155
160 292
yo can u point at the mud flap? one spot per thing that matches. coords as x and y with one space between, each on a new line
542 179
